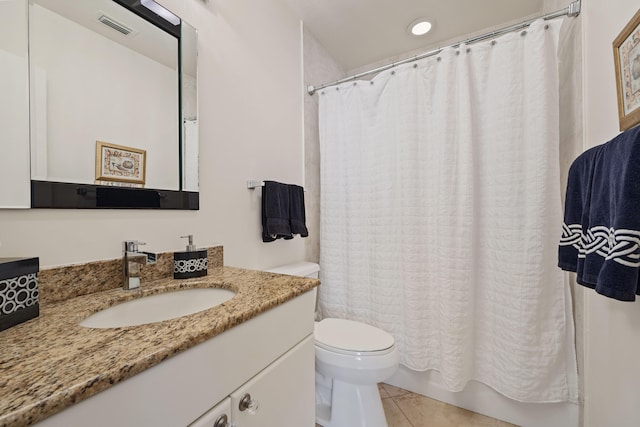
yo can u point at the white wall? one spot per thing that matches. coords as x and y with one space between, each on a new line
612 328
250 89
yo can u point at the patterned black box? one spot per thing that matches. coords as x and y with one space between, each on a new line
18 290
190 264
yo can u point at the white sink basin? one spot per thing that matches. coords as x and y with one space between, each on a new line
156 308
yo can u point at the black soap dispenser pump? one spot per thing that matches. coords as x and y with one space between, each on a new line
191 262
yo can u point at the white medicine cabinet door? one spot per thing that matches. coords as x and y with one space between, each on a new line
214 416
284 392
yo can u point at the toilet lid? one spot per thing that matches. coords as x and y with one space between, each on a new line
349 335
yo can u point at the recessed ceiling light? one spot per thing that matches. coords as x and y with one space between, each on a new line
419 27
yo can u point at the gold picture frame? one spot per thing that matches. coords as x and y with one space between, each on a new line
117 163
626 55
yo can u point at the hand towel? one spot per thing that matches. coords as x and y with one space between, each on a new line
609 251
576 210
275 211
297 218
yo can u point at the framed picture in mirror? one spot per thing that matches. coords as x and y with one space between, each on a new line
626 54
120 164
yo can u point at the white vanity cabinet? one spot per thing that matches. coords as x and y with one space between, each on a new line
277 396
270 357
281 392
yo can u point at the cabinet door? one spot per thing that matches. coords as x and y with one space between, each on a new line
212 416
284 391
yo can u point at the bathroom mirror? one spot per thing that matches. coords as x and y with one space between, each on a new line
113 105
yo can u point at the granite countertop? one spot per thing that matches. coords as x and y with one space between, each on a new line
49 363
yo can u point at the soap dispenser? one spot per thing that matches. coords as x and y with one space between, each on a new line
191 262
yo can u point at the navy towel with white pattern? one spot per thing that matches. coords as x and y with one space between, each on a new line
576 210
609 248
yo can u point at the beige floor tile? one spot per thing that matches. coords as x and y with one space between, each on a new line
422 411
405 409
392 391
395 417
383 393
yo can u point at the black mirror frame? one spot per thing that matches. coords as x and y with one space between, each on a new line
62 195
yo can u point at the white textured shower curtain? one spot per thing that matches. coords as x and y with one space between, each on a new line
440 208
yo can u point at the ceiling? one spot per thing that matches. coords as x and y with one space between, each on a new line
361 32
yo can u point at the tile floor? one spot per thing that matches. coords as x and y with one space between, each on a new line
406 409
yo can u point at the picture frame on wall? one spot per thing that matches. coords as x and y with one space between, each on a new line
626 53
120 164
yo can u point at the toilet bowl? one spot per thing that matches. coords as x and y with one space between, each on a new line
355 357
351 359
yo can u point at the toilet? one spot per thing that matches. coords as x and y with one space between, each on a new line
351 359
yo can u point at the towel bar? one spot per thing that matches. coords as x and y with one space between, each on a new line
253 184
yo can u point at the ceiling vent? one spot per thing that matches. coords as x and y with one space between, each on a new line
119 27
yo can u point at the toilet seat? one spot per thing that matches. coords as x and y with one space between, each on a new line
352 338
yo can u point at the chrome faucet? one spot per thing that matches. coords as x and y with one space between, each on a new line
132 260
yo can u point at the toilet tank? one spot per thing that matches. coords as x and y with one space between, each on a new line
305 269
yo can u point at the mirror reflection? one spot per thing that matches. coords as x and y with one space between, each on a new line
14 108
101 76
189 87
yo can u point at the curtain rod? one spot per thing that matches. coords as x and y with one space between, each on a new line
572 10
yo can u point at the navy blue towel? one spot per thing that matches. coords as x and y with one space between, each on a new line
296 211
609 259
283 213
576 210
275 211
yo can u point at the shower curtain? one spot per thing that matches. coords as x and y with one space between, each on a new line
440 213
